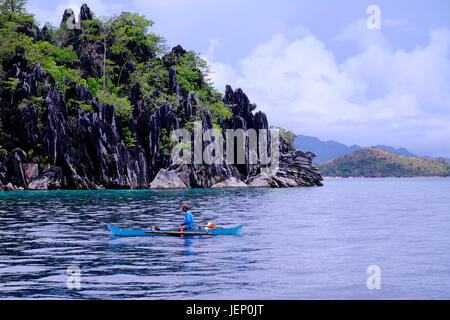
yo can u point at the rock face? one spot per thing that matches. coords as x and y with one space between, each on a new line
46 143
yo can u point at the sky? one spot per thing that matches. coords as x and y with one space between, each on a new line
337 70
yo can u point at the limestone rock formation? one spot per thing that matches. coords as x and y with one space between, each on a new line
45 143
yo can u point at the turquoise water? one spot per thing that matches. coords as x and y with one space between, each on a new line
297 243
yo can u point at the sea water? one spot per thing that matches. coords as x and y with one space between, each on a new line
350 239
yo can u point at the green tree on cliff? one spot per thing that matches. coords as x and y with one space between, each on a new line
13 6
116 46
12 16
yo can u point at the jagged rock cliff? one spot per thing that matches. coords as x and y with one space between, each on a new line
46 143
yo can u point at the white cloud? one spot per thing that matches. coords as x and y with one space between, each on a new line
213 44
378 96
364 37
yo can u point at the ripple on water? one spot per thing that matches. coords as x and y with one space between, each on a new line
296 243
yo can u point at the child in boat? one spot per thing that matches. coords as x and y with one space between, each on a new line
188 219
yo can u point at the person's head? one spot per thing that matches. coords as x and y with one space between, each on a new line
185 207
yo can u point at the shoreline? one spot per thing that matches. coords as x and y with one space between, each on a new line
391 177
161 189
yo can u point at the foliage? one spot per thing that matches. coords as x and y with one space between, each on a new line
166 142
41 52
63 75
152 75
86 107
217 127
92 29
122 105
12 16
130 137
44 54
38 102
65 55
79 104
94 85
13 13
132 28
219 111
13 6
11 84
9 37
164 98
285 134
192 75
129 28
121 37
191 71
189 125
43 163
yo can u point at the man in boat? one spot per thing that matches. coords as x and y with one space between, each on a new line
188 219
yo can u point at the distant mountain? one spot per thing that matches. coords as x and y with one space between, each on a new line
328 150
375 162
399 151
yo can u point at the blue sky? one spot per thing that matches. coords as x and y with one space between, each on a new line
313 66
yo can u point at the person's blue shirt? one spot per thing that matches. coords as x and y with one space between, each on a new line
188 220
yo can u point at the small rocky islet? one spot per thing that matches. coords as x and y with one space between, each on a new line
98 114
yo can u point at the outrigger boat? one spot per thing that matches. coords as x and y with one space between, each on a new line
208 230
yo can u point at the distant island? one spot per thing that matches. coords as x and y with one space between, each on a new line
327 150
376 162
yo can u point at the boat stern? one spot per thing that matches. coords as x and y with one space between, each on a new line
114 230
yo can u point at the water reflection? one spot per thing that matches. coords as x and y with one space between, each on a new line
187 244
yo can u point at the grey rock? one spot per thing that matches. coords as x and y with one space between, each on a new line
85 13
10 187
31 171
68 16
167 180
230 183
262 181
48 180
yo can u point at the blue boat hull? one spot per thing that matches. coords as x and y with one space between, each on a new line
119 232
